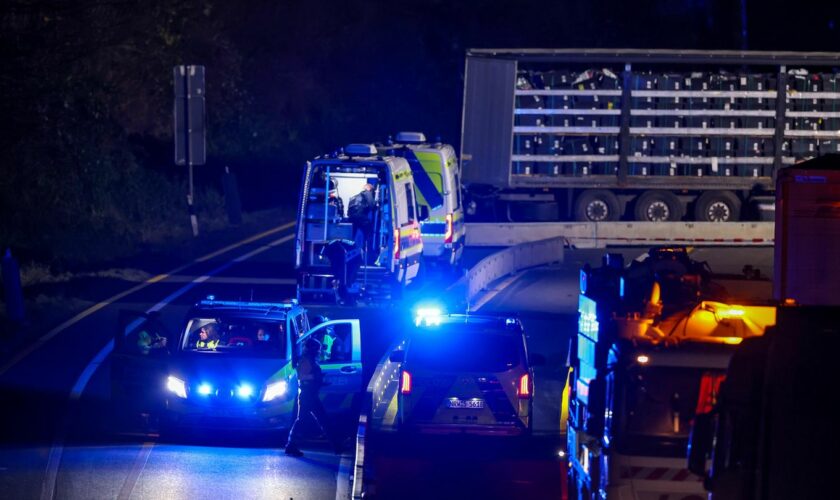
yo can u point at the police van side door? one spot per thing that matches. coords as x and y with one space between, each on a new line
138 375
340 360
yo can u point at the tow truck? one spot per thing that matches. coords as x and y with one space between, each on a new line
653 343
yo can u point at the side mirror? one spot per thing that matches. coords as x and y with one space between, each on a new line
397 356
424 212
537 359
700 443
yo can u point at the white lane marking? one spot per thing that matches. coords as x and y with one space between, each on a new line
487 297
57 449
137 469
245 241
234 280
87 312
342 478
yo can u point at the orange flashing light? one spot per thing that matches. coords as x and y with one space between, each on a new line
405 383
447 235
524 391
396 244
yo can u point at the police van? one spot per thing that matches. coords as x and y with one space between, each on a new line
242 377
358 232
444 232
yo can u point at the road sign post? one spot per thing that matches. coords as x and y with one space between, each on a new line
189 124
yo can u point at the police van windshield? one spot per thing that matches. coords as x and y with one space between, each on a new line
463 348
658 406
244 337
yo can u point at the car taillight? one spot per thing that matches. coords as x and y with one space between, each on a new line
709 390
447 235
524 390
396 243
405 383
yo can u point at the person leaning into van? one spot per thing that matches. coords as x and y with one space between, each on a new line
360 213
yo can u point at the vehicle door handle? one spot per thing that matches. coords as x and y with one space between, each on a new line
348 369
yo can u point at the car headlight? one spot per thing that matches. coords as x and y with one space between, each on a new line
176 386
275 390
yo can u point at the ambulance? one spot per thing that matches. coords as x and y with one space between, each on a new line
343 252
444 232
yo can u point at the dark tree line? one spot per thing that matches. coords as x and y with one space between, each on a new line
86 98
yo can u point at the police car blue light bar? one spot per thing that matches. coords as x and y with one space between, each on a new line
411 137
360 150
427 316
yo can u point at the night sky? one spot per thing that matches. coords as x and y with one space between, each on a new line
86 142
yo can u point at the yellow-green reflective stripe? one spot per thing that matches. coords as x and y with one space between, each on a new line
431 162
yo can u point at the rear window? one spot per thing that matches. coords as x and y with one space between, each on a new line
661 401
445 349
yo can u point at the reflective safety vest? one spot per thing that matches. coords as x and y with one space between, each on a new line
207 344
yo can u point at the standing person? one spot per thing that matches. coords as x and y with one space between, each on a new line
360 213
310 380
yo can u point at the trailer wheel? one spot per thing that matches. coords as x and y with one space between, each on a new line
717 206
658 206
597 205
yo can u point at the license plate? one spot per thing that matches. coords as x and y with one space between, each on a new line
470 404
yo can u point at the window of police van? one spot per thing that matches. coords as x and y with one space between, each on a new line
409 201
234 336
336 343
464 348
659 404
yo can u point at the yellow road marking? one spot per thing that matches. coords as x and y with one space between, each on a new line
87 312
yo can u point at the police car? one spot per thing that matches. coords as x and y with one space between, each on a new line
242 376
464 374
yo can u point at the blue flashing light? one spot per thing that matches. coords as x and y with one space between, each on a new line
205 389
244 391
427 316
621 287
510 322
583 281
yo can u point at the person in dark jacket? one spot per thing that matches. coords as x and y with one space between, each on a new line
310 381
360 213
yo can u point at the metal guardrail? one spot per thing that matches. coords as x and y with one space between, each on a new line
602 234
511 260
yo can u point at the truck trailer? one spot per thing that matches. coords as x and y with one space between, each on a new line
649 135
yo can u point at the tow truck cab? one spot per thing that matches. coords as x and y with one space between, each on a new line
653 344
439 190
338 256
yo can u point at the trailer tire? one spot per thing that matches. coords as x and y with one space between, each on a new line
597 205
717 206
658 206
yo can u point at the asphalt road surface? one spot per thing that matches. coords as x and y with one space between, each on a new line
59 440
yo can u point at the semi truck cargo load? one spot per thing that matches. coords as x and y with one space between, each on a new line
652 135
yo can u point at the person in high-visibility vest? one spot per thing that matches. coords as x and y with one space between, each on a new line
310 380
208 336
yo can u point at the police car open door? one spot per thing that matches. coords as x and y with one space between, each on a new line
138 367
341 362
